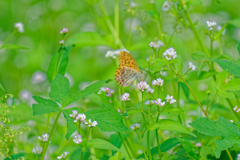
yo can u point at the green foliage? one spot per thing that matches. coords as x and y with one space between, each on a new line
13 46
102 144
223 128
77 152
71 127
238 47
230 66
116 140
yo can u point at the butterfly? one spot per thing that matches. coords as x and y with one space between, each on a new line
128 70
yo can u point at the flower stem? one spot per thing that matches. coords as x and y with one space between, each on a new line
158 144
50 135
211 101
142 146
9 37
81 154
124 145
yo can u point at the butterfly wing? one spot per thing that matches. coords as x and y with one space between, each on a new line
125 76
126 60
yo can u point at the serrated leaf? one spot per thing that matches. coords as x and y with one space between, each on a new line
44 106
223 144
71 128
59 89
102 144
232 85
61 67
83 39
171 125
108 118
13 46
229 66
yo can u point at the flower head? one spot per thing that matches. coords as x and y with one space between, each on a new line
170 99
108 91
19 26
159 102
64 31
125 97
150 90
37 150
231 121
211 24
170 53
156 45
149 102
158 82
91 124
235 108
63 155
77 139
119 110
198 145
112 54
44 137
61 42
191 66
38 77
166 6
74 113
135 126
142 86
81 118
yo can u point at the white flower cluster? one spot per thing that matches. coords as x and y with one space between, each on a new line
142 86
166 6
238 156
61 42
191 66
159 102
112 54
236 109
211 24
38 77
158 82
125 97
198 145
44 137
37 150
63 156
77 139
149 102
170 99
64 31
135 126
19 26
170 53
108 91
82 119
156 45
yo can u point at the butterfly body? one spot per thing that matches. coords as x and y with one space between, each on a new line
128 70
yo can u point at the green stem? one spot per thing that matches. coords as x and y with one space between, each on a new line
211 101
148 146
81 154
58 63
50 135
158 144
142 146
130 146
229 154
9 37
48 118
124 145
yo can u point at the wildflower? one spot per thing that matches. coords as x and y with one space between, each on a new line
170 99
135 126
170 53
19 27
119 110
125 97
198 145
159 102
142 86
63 155
81 118
191 66
74 113
156 45
158 82
44 137
25 95
149 102
64 31
147 59
238 156
149 90
231 121
37 150
61 42
166 6
152 44
77 139
235 108
211 24
91 124
108 91
38 77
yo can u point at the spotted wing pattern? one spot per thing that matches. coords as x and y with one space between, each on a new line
128 69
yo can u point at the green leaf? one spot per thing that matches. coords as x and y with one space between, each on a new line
232 85
13 46
223 144
189 146
199 56
102 144
108 118
61 67
1 87
185 89
59 89
195 2
87 91
165 146
171 125
71 128
159 4
116 140
83 39
235 22
44 106
76 154
238 47
191 76
230 66
172 109
15 156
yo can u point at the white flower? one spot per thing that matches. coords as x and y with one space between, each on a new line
38 77
159 102
142 86
150 90
191 66
44 137
37 150
63 155
147 59
231 121
119 110
170 53
157 82
133 4
238 156
81 118
149 102
25 95
108 91
211 24
91 124
135 126
64 30
235 108
74 113
170 99
166 6
156 45
77 139
112 54
198 145
125 97
152 44
238 110
61 42
19 27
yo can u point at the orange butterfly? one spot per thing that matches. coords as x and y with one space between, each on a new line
128 70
